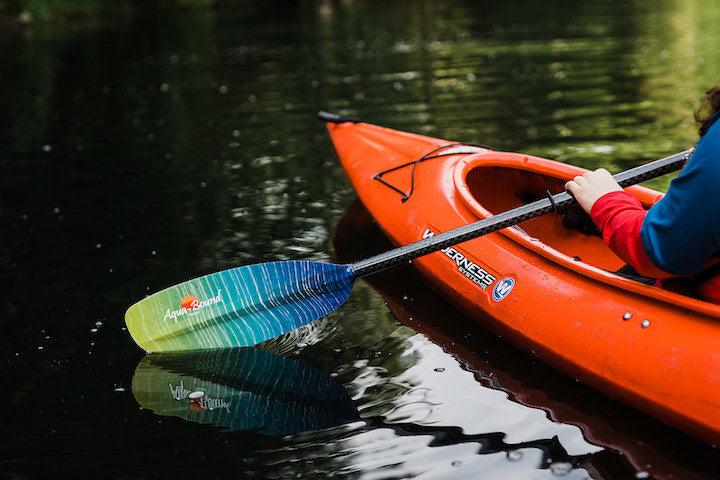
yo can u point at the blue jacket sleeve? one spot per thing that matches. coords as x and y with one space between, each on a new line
682 230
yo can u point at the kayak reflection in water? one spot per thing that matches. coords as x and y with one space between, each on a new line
675 241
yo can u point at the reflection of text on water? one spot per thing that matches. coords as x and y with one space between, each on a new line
198 400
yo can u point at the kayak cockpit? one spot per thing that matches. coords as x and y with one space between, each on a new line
495 182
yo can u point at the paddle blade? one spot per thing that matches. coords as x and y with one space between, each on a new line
239 307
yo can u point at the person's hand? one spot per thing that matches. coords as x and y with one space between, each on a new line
587 188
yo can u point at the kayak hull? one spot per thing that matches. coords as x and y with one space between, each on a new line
545 287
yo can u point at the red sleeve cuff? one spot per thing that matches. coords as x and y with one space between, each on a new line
619 216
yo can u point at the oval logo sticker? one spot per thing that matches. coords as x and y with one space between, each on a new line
502 288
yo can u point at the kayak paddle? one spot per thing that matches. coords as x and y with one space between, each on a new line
244 306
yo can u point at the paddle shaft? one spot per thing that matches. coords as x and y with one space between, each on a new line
556 202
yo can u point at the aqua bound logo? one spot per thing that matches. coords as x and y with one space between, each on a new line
190 305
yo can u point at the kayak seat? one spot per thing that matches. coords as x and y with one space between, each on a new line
576 218
629 272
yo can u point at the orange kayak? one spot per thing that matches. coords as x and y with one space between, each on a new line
547 284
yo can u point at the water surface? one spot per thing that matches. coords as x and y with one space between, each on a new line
137 154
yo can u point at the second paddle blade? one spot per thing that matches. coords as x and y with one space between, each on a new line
239 307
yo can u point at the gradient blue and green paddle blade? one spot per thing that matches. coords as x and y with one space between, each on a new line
239 307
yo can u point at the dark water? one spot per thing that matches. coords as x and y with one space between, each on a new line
137 154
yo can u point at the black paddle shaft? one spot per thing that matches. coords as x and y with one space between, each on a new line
556 202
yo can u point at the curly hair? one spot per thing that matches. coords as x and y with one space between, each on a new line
709 107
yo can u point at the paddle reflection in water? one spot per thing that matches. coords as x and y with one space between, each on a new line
242 389
632 444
